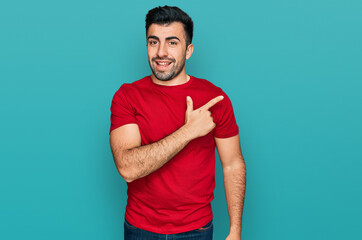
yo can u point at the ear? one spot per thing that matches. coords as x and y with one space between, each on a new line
189 50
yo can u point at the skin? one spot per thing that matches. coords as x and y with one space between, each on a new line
234 172
167 43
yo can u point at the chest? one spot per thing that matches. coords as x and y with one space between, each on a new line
160 113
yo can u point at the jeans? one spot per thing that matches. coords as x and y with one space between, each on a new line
133 233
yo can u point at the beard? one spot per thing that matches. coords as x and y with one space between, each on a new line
172 73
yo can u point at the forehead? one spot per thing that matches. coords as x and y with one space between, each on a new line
163 30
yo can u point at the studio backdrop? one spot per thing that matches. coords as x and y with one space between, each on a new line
292 70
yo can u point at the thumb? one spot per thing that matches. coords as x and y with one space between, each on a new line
190 105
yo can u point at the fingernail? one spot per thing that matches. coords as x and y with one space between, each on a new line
221 97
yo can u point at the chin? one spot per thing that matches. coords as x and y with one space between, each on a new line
164 79
164 76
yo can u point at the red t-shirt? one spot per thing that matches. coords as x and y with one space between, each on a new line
175 198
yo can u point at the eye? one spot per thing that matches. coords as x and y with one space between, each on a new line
152 42
173 43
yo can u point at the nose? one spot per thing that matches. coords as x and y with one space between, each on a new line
162 50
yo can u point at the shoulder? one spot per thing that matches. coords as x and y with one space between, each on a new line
207 85
211 90
134 86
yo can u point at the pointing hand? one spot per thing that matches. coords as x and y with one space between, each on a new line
199 122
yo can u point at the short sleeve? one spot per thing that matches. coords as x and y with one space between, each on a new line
121 111
224 117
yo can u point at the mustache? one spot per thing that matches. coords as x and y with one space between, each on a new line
163 59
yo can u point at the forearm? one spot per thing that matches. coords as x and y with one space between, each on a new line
234 183
140 161
135 161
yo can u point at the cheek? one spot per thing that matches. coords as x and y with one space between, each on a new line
179 55
151 51
150 55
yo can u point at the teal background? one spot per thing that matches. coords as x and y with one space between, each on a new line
291 68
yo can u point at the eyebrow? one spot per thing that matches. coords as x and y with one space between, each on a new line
168 38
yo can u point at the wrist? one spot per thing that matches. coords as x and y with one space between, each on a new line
186 133
235 230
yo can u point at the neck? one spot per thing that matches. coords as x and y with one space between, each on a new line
180 79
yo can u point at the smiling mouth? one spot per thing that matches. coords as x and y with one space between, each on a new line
163 63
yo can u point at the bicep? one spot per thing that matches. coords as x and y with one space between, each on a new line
229 151
125 137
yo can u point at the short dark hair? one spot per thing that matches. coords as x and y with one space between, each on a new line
167 15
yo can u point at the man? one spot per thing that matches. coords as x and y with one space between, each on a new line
164 129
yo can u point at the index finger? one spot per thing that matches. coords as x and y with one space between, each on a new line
212 102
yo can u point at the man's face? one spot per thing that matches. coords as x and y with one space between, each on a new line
166 47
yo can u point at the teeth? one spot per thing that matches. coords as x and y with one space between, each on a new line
163 63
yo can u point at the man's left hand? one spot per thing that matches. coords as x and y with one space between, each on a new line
233 236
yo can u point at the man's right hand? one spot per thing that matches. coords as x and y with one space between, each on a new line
199 122
134 160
